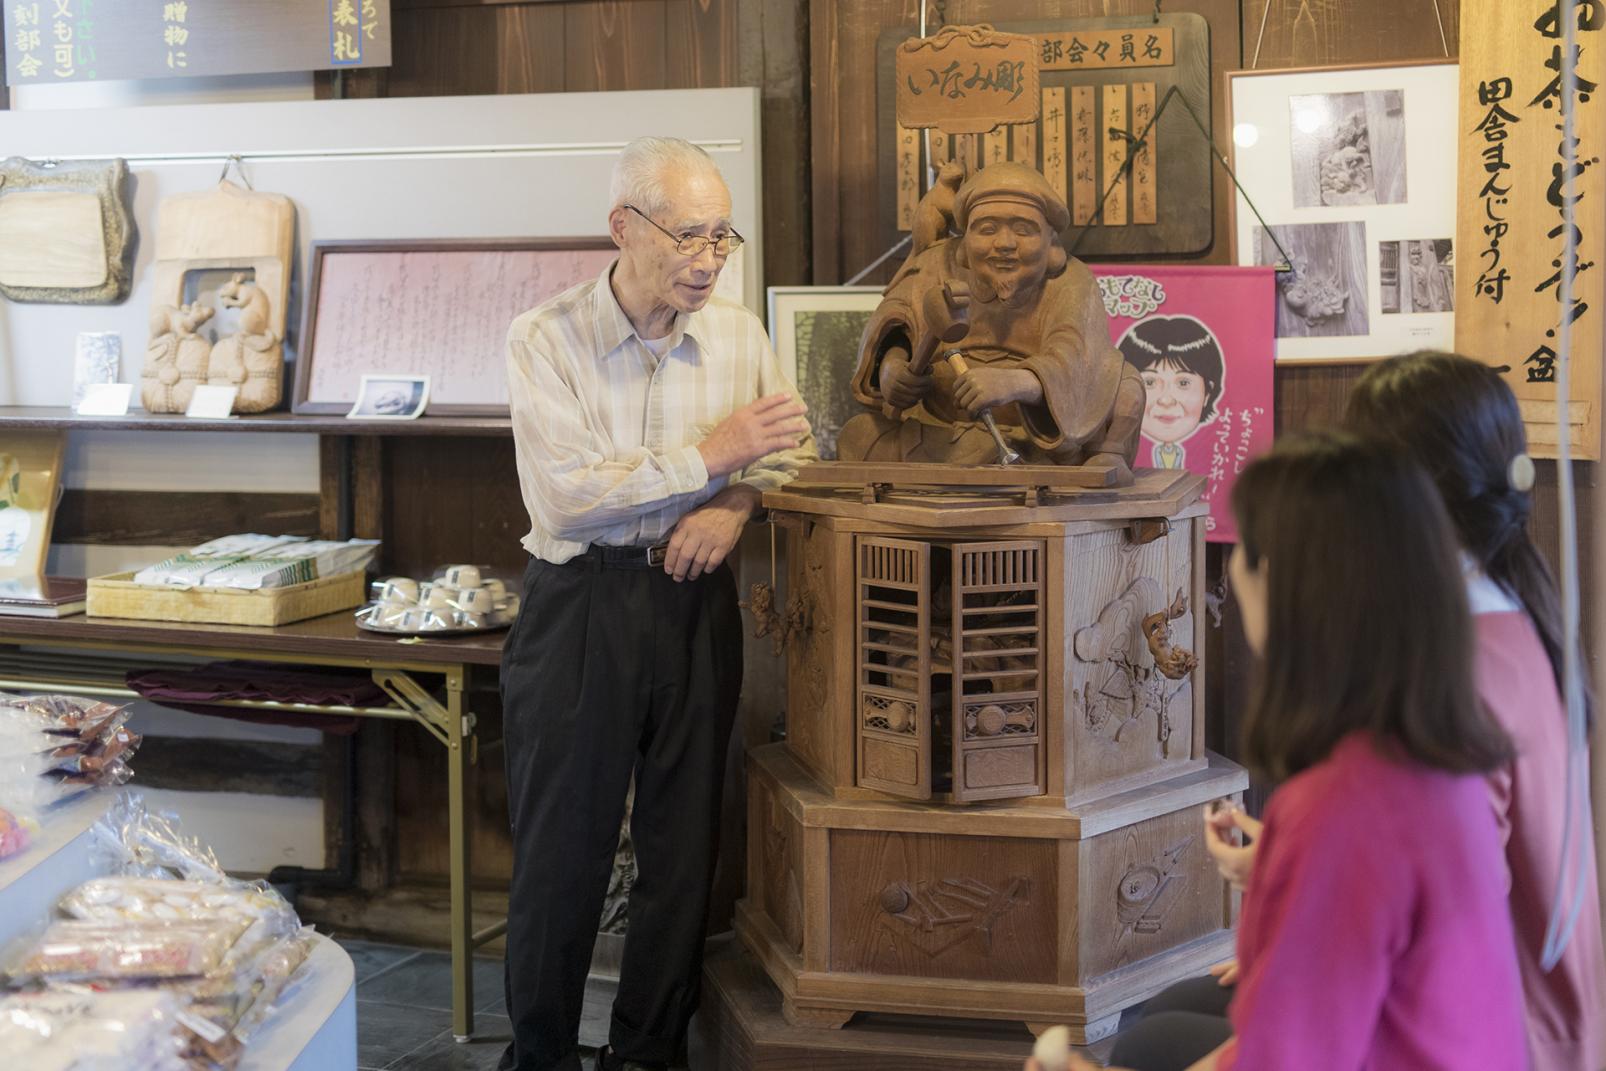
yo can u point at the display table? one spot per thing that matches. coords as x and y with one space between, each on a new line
427 681
315 1030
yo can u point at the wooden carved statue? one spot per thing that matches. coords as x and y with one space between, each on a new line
176 358
1028 321
249 359
1173 662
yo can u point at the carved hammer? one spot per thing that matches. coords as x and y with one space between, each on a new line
945 310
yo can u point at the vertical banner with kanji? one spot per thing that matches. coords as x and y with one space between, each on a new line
1513 200
1203 339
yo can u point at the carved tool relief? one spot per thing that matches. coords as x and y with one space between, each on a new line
1147 891
939 915
1134 661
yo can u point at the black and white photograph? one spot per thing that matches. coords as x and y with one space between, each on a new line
391 397
1325 292
1416 275
1348 148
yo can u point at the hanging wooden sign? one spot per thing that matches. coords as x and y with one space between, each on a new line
967 80
1510 228
1100 83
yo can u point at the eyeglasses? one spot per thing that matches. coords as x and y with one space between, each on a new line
692 245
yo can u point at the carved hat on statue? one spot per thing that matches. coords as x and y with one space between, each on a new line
1019 184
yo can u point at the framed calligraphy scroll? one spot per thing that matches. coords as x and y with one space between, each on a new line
439 308
1510 223
1353 169
1092 72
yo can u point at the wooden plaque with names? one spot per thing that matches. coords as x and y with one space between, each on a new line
1130 64
1509 225
967 80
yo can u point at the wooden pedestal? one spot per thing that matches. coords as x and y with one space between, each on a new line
741 1027
1001 911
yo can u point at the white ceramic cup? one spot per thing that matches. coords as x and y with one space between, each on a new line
388 615
438 597
468 619
475 601
398 589
462 576
495 586
412 620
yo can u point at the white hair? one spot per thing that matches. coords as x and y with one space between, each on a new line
639 173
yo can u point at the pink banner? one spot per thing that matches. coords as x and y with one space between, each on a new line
1203 340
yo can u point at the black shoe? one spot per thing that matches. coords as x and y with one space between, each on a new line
607 1061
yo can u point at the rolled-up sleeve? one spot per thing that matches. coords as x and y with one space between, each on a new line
571 488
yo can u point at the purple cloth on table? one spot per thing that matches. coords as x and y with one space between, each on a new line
197 688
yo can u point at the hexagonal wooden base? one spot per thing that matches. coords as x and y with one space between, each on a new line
993 911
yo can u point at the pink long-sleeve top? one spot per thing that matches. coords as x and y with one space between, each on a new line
1564 1005
1375 934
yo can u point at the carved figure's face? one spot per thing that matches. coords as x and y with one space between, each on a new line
1007 244
695 203
1176 399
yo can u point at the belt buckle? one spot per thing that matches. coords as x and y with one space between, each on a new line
656 555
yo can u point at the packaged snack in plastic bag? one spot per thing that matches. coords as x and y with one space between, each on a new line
64 715
279 972
87 1031
267 915
76 951
15 833
141 843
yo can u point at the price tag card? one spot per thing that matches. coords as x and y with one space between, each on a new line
212 403
105 399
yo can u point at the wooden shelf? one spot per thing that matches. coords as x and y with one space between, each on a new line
332 635
54 417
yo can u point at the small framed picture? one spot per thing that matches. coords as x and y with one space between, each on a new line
816 331
391 397
1354 172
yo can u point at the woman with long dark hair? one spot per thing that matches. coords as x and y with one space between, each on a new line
1460 421
1375 931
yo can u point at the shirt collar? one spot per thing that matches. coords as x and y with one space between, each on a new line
614 328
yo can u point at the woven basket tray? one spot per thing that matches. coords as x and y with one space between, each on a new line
117 596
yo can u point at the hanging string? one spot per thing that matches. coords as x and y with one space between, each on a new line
233 160
1565 907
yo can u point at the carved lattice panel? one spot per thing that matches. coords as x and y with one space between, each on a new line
997 645
893 652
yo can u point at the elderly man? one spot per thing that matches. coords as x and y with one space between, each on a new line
648 418
1038 343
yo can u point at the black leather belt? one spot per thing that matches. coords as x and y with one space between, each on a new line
626 557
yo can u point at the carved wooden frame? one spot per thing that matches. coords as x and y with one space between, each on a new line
306 342
107 182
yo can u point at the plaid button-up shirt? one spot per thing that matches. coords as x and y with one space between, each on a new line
606 432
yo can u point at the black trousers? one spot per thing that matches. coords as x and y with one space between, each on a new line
1180 1026
609 673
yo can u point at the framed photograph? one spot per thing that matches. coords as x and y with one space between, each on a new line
816 332
391 397
1354 170
439 307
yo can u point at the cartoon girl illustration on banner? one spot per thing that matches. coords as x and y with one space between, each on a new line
1183 374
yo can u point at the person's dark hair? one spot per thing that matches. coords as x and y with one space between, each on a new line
1460 421
1184 342
1367 627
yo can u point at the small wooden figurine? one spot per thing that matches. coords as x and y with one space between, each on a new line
249 359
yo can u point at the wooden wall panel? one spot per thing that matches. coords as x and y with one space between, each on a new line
1312 33
616 44
843 33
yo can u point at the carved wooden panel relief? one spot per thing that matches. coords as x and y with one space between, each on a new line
66 232
894 665
1131 671
1147 888
812 660
778 839
941 906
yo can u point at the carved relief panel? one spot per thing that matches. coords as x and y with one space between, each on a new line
1132 670
939 906
1147 888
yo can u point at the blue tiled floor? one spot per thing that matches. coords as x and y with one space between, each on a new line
404 1021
